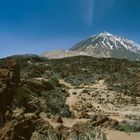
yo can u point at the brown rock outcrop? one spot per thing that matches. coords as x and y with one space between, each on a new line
9 82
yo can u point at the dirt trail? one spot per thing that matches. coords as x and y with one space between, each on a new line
72 99
102 99
117 135
68 85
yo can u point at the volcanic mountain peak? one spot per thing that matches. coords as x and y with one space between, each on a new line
102 45
108 45
109 41
105 34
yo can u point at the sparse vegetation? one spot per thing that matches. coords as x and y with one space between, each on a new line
74 93
23 96
55 103
96 81
130 126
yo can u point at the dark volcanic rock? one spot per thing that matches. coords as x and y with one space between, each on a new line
9 82
26 129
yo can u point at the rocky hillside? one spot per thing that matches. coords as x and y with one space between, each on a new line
73 98
9 82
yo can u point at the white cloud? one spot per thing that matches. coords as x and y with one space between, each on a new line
88 11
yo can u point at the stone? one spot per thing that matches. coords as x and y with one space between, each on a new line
18 113
58 119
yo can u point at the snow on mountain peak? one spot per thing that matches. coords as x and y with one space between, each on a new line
110 41
106 44
105 34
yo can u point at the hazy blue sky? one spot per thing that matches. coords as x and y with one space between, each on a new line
35 26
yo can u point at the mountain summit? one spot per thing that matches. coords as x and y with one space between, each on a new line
108 45
102 45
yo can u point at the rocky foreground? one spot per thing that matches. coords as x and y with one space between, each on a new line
79 98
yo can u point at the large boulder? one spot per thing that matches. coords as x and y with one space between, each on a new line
27 129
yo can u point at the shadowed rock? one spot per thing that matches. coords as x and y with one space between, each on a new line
9 82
